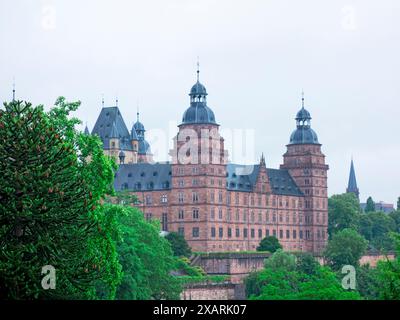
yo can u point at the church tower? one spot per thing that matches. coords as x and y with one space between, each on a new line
198 173
352 186
306 164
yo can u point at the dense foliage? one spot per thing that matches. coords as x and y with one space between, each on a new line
270 244
179 246
49 194
291 281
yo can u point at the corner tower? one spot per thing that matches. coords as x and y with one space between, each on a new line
306 164
198 172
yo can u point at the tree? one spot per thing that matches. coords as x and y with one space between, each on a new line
344 212
179 246
370 207
389 274
146 257
367 282
287 281
49 195
306 263
395 215
345 248
375 227
398 204
281 260
270 244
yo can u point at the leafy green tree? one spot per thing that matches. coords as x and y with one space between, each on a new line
367 282
179 246
370 207
398 204
376 227
345 248
270 244
306 263
288 284
49 195
281 260
146 257
344 212
395 215
389 275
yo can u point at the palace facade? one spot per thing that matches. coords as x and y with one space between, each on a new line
218 205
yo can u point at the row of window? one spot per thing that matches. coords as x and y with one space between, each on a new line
237 232
295 218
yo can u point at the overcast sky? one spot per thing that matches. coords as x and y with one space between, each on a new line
256 56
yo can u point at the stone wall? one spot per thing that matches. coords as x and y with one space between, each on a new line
209 291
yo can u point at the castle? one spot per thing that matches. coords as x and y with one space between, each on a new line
216 205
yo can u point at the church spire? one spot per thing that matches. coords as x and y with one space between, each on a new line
352 185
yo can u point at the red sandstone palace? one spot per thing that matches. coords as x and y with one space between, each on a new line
215 204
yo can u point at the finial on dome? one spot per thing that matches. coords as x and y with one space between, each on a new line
102 100
198 69
302 99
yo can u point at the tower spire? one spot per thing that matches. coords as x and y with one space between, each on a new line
302 99
352 185
102 100
116 101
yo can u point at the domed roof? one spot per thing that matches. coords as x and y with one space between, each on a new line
303 114
304 135
198 90
138 126
144 147
198 113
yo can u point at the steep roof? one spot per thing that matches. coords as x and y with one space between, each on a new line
110 123
244 177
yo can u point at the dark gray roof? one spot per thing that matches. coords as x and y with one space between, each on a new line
147 177
104 128
303 114
198 112
244 177
304 135
143 177
198 89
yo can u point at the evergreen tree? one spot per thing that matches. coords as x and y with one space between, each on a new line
370 207
270 244
179 246
49 193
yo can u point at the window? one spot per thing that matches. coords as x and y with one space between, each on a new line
164 198
252 216
267 217
274 233
229 233
220 214
301 234
237 232
195 213
259 233
260 217
237 215
180 214
220 199
280 218
237 198
164 221
212 232
181 183
220 232
181 231
195 182
294 234
181 197
149 199
195 197
287 234
245 215
195 232
149 216
212 197
280 234
252 233
267 232
229 215
212 213
245 232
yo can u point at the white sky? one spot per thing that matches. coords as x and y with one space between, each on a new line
256 56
